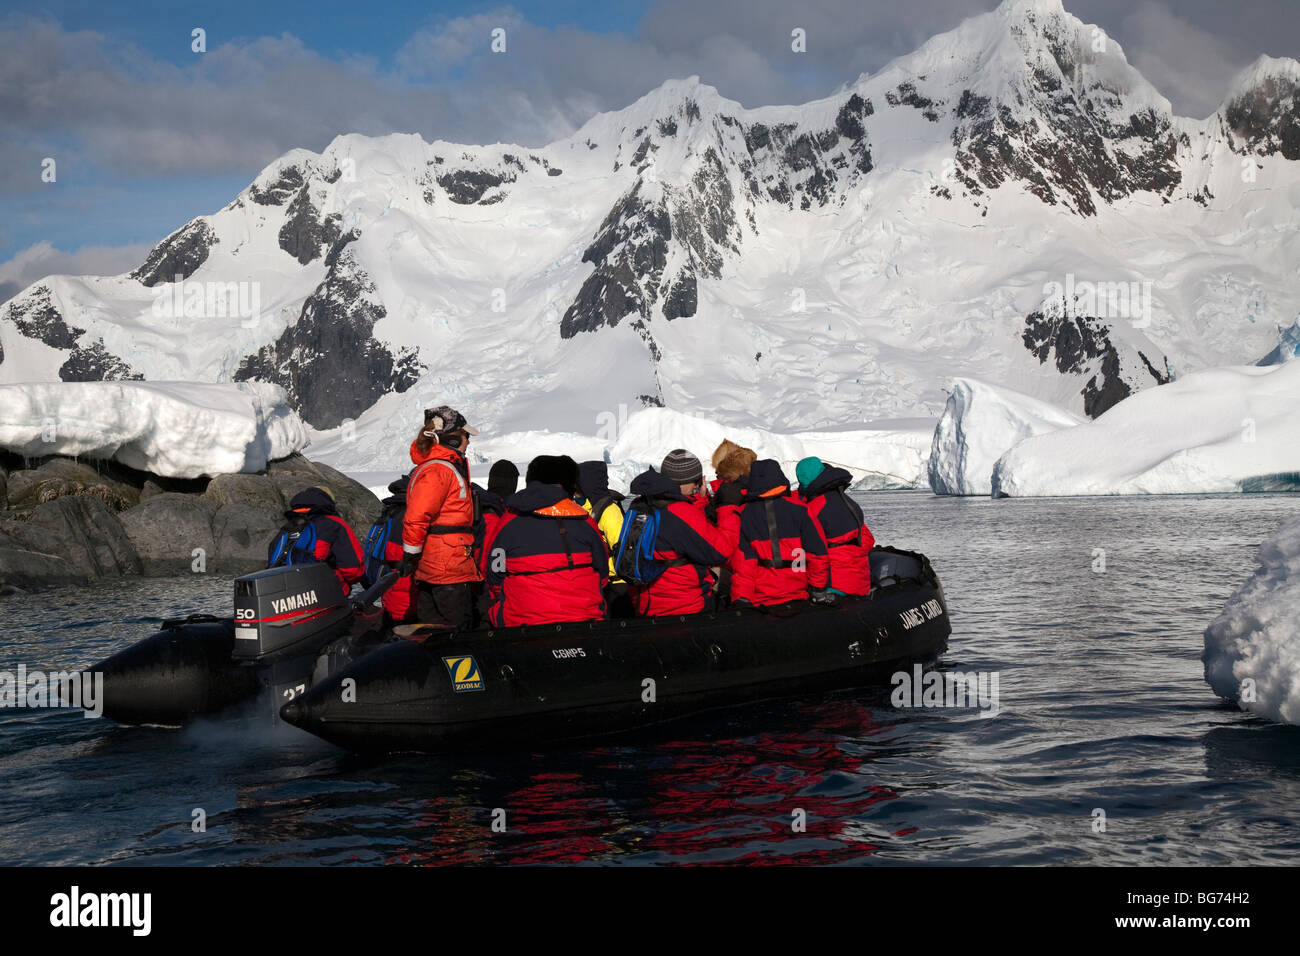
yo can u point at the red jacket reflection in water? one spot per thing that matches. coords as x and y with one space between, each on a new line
545 562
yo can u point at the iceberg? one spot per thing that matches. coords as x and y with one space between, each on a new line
172 429
880 456
979 424
1288 346
1229 429
1252 649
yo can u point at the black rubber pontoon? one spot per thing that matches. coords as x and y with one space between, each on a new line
533 684
290 625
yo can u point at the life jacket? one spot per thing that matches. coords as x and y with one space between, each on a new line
441 510
296 543
853 509
782 553
773 537
476 515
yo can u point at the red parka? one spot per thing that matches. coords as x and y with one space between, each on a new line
688 540
335 543
840 521
545 562
781 551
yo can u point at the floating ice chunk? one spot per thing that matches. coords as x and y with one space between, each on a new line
1252 649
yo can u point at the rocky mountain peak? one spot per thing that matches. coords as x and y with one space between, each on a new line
1261 114
893 211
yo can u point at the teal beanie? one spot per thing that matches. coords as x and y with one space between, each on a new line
807 471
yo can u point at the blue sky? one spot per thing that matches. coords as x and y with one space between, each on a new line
92 206
147 134
336 29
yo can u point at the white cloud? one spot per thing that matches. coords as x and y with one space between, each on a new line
36 262
1181 59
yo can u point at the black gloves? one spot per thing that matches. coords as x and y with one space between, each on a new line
410 561
729 493
823 596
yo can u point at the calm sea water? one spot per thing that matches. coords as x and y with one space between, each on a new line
1102 707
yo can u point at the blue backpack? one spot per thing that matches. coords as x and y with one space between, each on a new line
376 549
295 545
635 560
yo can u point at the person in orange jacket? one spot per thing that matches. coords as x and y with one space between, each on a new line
438 532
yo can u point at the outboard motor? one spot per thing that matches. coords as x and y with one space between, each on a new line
287 611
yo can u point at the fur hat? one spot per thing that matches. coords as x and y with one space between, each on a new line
722 451
554 470
736 465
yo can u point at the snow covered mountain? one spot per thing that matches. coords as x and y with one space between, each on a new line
1011 202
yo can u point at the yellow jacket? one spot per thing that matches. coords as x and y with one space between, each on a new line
611 526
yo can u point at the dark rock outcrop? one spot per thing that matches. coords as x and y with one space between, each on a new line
1081 345
67 523
36 317
1266 119
170 531
306 234
1064 135
179 255
250 508
94 363
280 189
329 361
467 186
79 531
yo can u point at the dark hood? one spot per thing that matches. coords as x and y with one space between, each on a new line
828 480
489 500
503 479
764 475
397 492
651 484
593 480
536 495
314 499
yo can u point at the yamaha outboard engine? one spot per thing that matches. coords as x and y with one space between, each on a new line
287 611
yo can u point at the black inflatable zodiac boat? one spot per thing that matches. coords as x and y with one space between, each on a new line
532 684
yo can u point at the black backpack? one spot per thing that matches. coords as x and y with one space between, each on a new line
600 504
